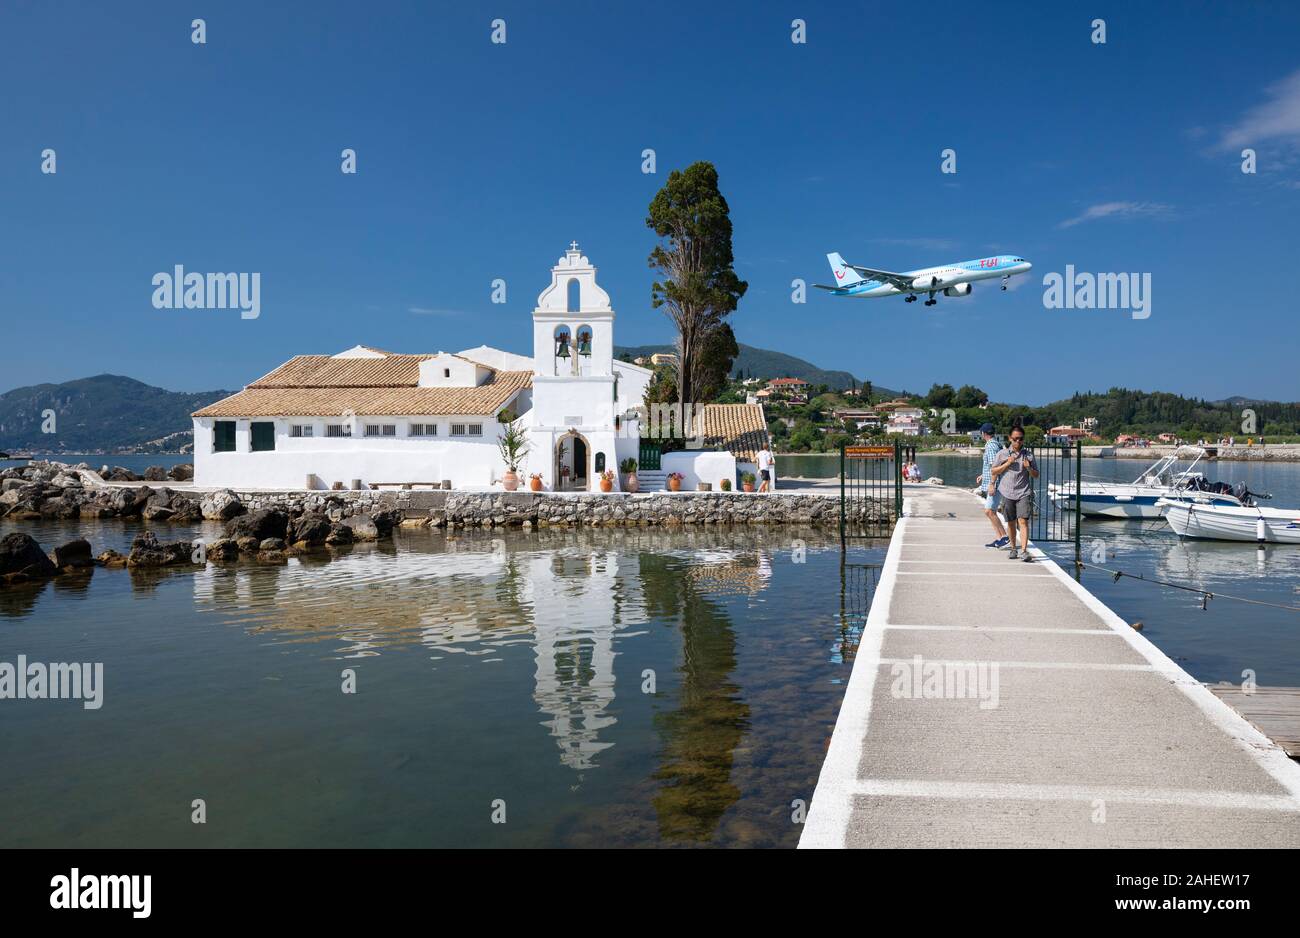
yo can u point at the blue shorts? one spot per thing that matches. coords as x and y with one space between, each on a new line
992 500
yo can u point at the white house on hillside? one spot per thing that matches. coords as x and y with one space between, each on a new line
375 417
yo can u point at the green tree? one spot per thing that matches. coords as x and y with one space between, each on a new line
699 287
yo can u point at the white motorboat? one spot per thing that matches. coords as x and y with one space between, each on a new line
1137 499
1252 523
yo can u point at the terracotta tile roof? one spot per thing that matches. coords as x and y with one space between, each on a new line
261 400
325 371
739 428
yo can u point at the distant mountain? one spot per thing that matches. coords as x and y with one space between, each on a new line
106 413
764 363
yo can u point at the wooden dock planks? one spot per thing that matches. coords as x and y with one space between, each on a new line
1274 711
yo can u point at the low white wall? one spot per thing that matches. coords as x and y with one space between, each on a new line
697 467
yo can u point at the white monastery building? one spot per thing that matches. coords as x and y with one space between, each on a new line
376 418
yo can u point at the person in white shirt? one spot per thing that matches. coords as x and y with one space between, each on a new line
765 463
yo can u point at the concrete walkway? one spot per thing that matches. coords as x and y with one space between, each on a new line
1071 730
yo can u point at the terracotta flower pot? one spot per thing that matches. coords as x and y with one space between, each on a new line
631 484
748 486
535 484
674 485
607 485
511 481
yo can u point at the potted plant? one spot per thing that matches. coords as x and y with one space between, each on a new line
628 468
675 481
747 481
535 481
725 485
513 445
607 480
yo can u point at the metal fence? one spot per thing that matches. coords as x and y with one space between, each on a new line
871 490
1056 493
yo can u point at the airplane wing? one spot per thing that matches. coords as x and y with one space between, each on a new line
822 286
902 281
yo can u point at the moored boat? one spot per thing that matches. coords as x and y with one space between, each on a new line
1138 499
1254 524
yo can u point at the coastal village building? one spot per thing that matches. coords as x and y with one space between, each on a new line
367 417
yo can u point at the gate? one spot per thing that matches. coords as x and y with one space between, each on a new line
1056 494
648 454
871 490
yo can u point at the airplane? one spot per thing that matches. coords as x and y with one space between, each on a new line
949 279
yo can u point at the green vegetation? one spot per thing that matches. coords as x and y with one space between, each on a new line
699 288
106 413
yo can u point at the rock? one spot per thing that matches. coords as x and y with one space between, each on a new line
185 510
271 543
110 558
22 560
223 549
145 539
161 555
272 556
73 554
155 474
62 507
339 534
261 524
181 472
118 474
310 529
247 545
221 505
155 512
12 483
363 528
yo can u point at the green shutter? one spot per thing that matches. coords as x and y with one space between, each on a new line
263 437
223 436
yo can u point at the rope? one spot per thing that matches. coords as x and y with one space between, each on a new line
1206 595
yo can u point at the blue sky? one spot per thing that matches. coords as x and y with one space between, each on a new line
478 161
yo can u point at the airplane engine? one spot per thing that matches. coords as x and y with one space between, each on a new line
961 289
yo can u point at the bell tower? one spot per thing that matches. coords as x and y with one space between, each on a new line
573 324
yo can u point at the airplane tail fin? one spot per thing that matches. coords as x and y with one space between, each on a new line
845 276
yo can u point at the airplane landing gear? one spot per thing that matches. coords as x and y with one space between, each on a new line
910 298
1004 283
931 301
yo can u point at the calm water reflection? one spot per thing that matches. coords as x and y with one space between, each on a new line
632 687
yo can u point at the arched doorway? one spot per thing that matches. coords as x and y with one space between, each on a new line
572 463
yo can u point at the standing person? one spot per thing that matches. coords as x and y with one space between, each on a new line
1015 471
986 487
765 463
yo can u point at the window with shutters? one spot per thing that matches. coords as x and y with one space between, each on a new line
263 436
223 436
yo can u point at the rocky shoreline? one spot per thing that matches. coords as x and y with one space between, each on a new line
270 527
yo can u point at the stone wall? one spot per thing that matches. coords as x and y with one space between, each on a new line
52 492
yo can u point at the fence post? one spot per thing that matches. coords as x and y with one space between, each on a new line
1078 508
841 502
898 480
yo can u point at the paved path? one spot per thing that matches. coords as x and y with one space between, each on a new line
1072 730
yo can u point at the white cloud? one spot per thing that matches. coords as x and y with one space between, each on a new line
428 311
1276 118
1118 210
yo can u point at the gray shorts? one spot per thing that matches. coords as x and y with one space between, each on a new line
1013 508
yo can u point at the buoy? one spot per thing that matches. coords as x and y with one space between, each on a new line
1261 531
1137 626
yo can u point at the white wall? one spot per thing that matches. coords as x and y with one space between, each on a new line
697 467
466 461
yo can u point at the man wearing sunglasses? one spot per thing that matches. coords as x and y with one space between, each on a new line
1015 471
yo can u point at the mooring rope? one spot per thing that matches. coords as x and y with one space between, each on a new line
1206 595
